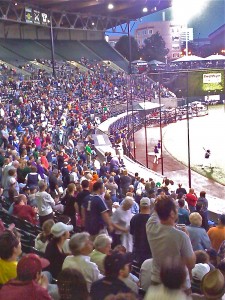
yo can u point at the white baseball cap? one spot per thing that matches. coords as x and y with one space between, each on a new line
60 228
145 201
199 271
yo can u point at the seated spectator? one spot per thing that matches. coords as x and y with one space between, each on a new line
213 286
198 272
146 269
81 246
202 257
173 276
30 282
198 236
24 211
10 250
72 285
213 257
217 234
54 251
45 236
112 187
138 231
115 266
102 245
183 214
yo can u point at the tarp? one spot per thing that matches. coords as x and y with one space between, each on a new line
215 57
188 58
156 62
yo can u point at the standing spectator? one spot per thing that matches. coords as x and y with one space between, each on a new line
44 202
141 186
204 214
125 182
121 222
191 199
138 231
70 204
198 236
54 251
112 187
82 195
181 190
167 241
217 234
95 214
202 200
183 214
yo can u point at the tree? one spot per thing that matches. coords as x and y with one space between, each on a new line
154 48
122 46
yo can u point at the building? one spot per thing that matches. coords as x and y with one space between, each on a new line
217 39
172 33
113 39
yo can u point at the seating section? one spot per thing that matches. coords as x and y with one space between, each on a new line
106 52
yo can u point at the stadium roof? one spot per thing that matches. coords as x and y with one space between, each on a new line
79 13
122 8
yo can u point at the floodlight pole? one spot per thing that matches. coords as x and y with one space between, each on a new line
52 48
186 39
146 134
160 125
131 87
188 136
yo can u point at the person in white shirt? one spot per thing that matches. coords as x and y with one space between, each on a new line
81 246
146 269
44 202
141 186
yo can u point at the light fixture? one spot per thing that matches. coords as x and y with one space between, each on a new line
16 3
110 6
93 24
145 9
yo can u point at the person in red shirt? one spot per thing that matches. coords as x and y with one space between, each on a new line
191 199
30 283
24 211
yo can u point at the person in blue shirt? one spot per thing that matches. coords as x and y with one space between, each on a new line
183 214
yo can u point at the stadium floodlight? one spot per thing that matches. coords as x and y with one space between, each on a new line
184 11
145 9
110 6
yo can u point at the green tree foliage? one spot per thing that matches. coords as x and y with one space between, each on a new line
154 48
122 46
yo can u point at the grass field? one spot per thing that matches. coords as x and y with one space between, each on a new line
207 132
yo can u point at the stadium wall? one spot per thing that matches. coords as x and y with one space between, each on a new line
19 31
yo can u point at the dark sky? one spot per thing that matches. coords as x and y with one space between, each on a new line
211 18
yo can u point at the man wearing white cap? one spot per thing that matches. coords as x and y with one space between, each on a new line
138 230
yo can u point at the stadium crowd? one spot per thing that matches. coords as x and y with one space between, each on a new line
77 227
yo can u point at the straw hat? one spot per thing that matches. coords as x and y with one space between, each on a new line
213 285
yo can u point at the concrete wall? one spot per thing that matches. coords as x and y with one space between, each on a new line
168 102
20 31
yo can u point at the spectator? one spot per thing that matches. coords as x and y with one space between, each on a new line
217 234
95 212
115 266
204 214
138 222
121 222
70 204
102 245
81 246
181 190
167 241
198 236
183 214
146 269
24 211
112 187
82 195
30 281
72 285
198 272
10 250
45 203
45 236
54 251
202 200
172 276
191 199
125 182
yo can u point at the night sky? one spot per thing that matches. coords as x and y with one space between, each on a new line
211 18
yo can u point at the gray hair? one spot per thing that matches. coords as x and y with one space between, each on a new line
128 200
41 184
101 241
77 242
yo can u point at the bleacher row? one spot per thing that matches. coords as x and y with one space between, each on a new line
15 50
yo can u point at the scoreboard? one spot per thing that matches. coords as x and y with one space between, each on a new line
33 16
